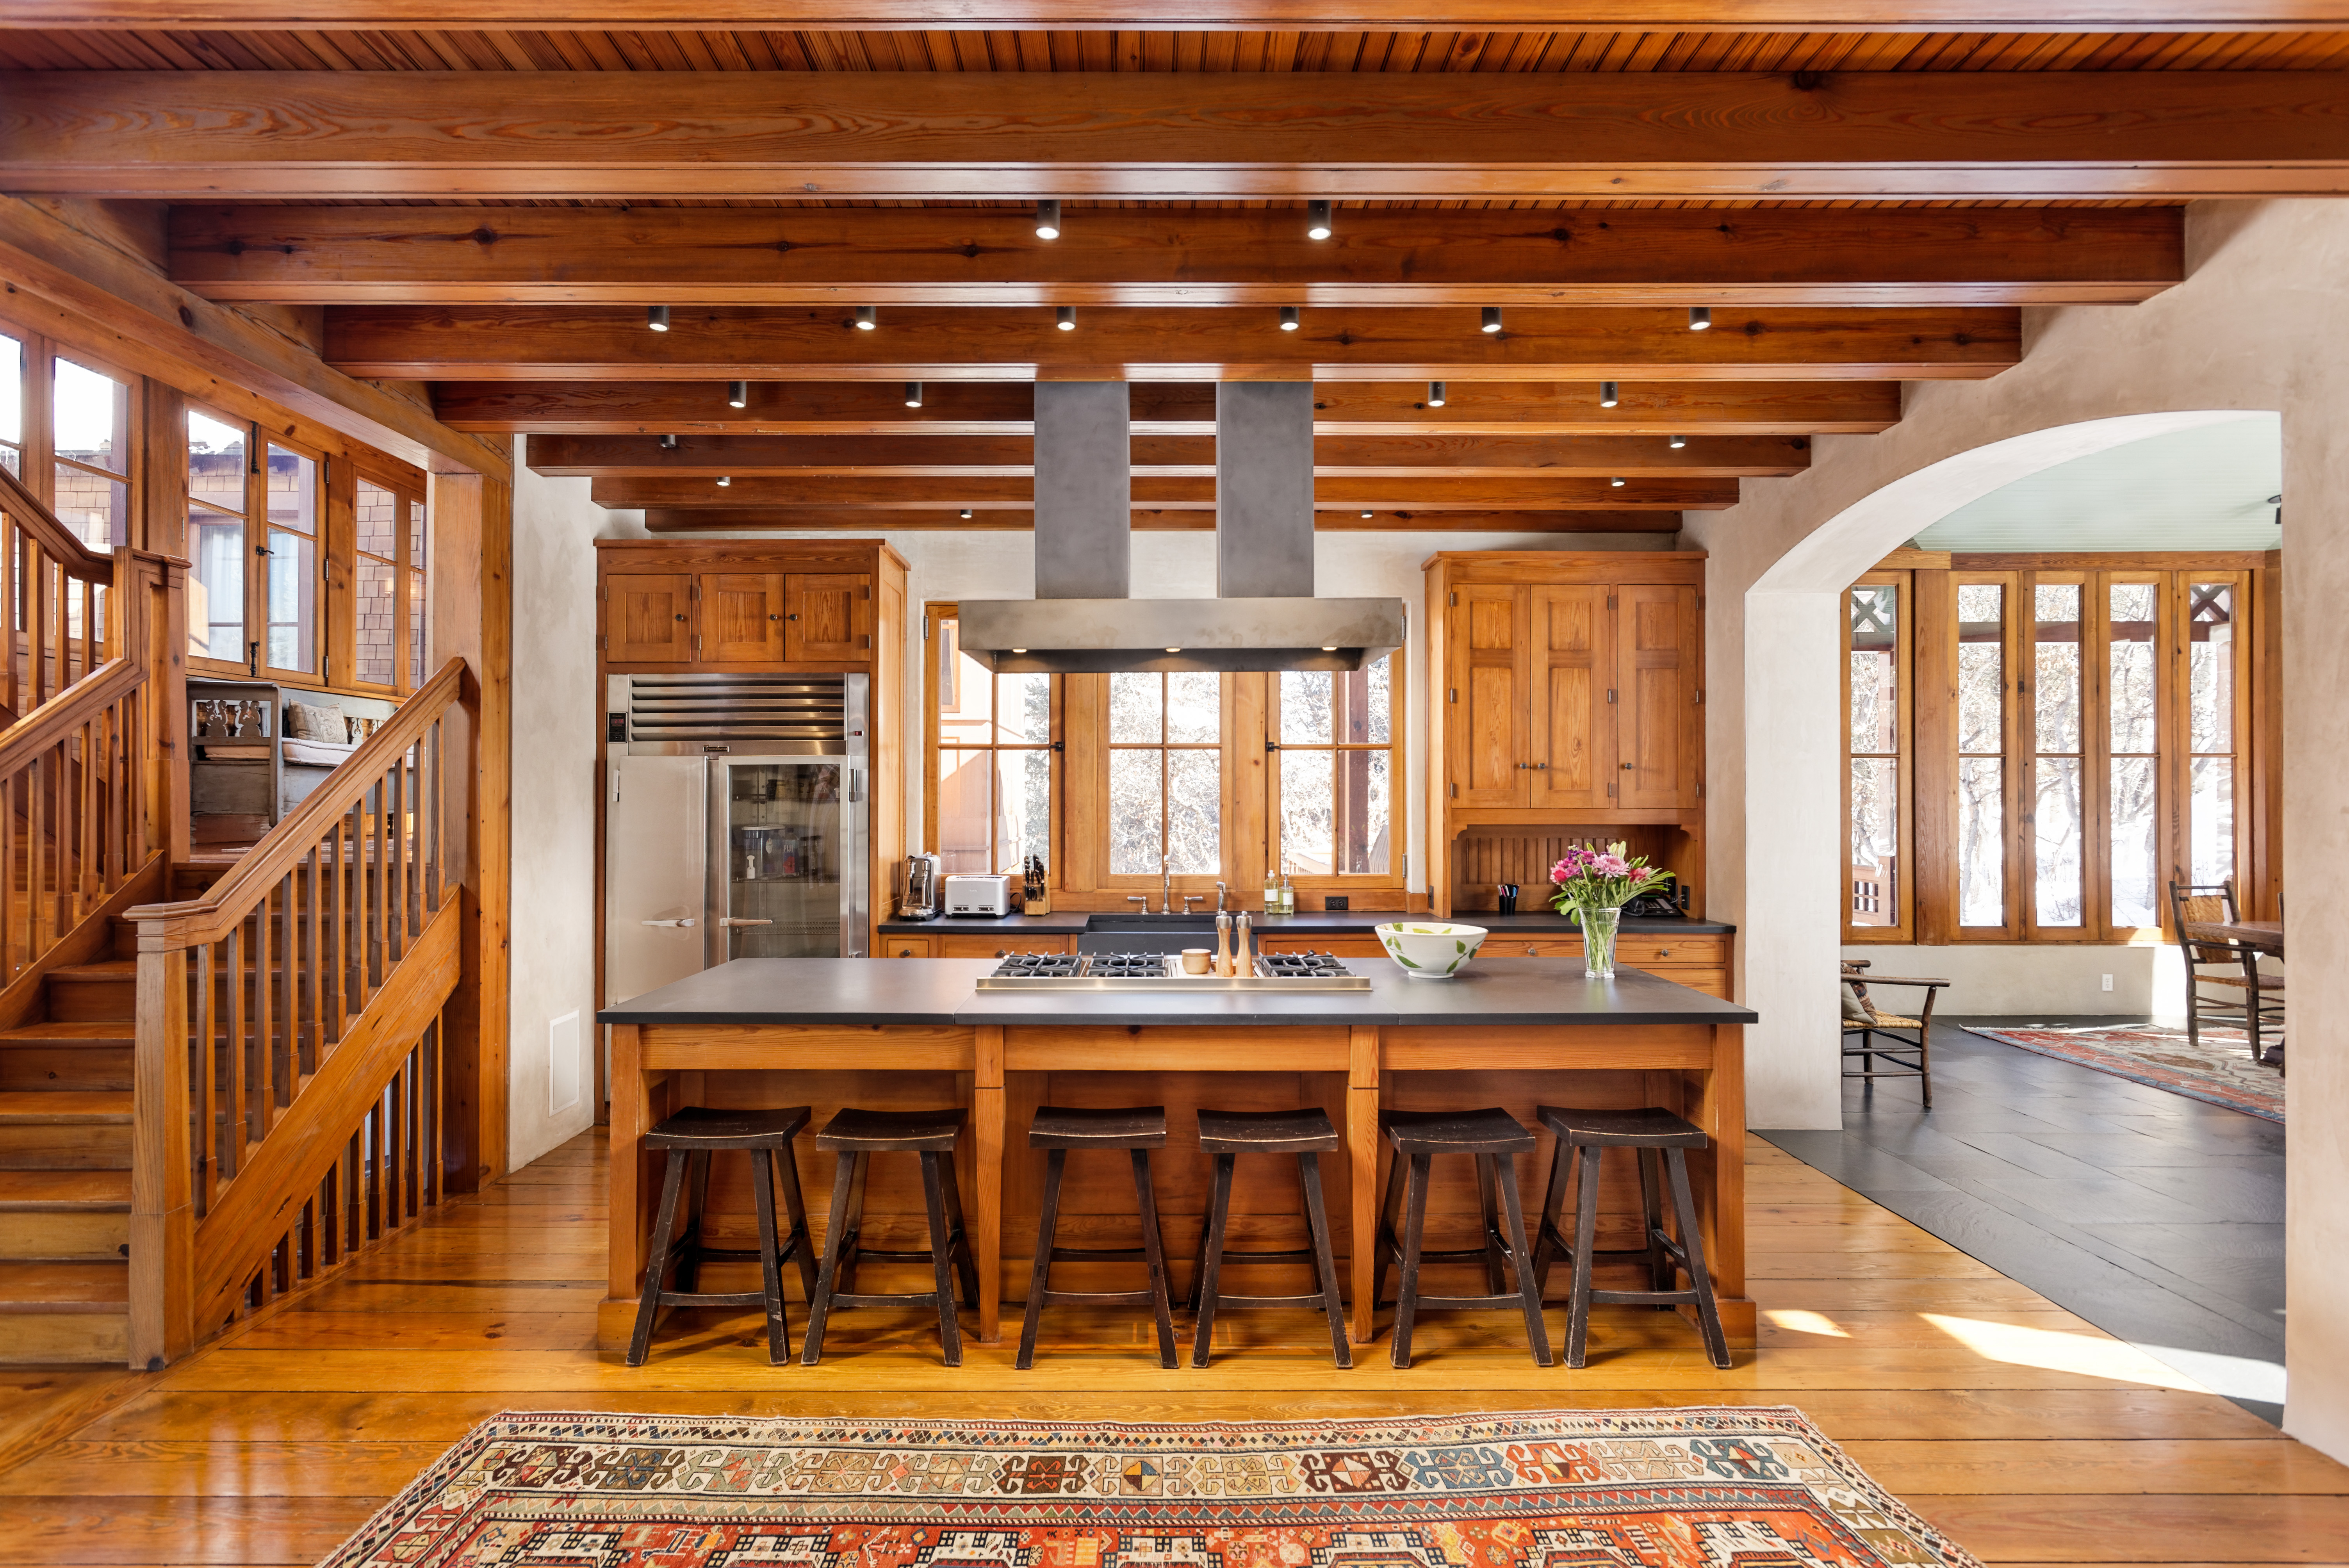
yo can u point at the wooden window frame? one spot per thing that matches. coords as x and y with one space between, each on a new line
935 614
344 635
1393 880
1903 928
37 436
332 519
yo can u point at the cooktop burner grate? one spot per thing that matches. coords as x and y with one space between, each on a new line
1039 964
1125 965
1298 965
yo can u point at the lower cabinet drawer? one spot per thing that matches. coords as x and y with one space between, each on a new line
1336 946
990 944
903 947
1640 952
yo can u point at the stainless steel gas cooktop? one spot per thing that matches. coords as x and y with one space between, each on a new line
1274 971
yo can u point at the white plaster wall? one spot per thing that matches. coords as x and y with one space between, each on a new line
2261 323
2003 981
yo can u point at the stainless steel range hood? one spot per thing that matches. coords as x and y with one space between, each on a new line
1263 615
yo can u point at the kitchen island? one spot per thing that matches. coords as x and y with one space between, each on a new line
1512 1032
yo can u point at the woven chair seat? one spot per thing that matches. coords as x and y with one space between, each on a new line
2267 982
1883 1021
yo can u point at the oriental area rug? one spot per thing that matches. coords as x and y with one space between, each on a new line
1590 1489
2217 1071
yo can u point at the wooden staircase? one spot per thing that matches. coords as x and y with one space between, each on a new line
65 1165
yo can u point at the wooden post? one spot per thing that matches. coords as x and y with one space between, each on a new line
1362 1152
630 1116
986 1216
162 1215
1720 1177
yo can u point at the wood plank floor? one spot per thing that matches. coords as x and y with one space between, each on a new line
2028 1435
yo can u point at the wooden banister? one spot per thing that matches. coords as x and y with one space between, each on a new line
62 596
64 546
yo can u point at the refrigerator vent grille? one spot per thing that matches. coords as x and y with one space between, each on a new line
744 708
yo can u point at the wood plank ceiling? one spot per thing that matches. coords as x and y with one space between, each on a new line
1853 208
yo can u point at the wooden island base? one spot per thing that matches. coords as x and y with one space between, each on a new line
1003 1073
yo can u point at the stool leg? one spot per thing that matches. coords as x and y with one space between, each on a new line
1211 1258
1652 1216
1040 1277
688 1245
1925 1057
836 1238
1199 1263
1546 1247
844 1282
1708 1314
965 1265
800 1242
1521 1257
656 1261
1145 1198
770 1263
1317 1219
1414 1227
934 1198
1586 1234
1494 1280
1390 1236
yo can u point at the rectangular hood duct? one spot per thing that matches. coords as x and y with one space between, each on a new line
1265 615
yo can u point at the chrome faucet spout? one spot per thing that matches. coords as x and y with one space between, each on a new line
1165 885
1220 890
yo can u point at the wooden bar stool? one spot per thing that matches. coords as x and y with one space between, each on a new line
856 1136
691 1136
1662 1139
1495 1138
1228 1134
1137 1129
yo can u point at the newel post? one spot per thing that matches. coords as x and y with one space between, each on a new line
162 1211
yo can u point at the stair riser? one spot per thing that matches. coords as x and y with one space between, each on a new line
44 1338
60 1233
78 1066
69 1146
92 1001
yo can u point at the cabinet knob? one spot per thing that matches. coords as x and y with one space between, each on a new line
1664 953
680 617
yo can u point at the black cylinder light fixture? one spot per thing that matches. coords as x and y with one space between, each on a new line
1065 319
867 318
1288 322
656 317
912 394
1700 318
1607 395
1677 442
1492 322
1317 219
668 443
1435 394
1047 220
737 393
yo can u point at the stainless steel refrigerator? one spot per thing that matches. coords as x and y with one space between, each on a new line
737 816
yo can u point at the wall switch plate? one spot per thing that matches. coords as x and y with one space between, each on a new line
2109 981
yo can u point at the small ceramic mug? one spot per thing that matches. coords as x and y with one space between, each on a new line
1195 960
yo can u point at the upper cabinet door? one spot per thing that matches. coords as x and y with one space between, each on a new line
648 618
1488 681
1572 732
829 617
743 617
1662 748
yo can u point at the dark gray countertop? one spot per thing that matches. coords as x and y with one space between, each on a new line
1332 923
1492 993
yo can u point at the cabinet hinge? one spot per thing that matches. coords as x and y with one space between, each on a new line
1699 789
1610 788
1699 695
602 641
1456 694
1456 791
1611 693
925 629
1456 600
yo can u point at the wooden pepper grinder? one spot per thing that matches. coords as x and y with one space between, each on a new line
1224 945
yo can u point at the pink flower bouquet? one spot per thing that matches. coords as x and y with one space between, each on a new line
1590 878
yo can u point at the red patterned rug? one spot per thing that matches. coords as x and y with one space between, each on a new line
2217 1071
1711 1488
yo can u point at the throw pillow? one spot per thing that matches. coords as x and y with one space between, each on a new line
1856 1008
314 721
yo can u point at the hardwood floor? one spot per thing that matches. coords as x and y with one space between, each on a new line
2028 1434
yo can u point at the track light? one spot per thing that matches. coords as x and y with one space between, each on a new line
1616 482
1435 394
912 394
668 443
1317 219
656 317
867 318
737 393
1679 441
725 480
1700 317
1289 318
1065 319
1607 398
1366 516
1047 220
965 514
1492 318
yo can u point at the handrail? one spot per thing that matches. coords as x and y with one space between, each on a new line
261 868
60 716
64 546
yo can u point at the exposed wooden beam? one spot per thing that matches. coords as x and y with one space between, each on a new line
1620 135
713 342
1835 257
1166 457
1190 15
1175 408
821 520
161 329
1429 493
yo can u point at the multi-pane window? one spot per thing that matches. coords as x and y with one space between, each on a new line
2059 838
12 405
90 433
2213 662
992 783
255 539
417 564
293 581
1165 773
2132 713
1873 682
1335 783
375 586
1981 754
219 474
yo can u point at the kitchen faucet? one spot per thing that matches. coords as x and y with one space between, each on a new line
1165 885
1219 898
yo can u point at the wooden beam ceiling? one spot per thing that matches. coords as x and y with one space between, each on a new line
721 341
1106 256
823 520
1433 492
1175 408
1166 457
2011 135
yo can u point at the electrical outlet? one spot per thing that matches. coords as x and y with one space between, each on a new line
2109 981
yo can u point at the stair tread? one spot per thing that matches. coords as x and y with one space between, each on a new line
65 1105
99 1191
106 969
107 1031
97 1288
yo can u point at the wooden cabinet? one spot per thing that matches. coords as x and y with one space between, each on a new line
738 617
903 947
648 617
830 617
743 617
1657 637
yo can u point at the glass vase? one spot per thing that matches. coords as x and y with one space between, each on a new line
1599 941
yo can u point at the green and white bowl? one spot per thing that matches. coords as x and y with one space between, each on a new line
1431 949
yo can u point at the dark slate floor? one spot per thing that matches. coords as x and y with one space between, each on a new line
2158 1218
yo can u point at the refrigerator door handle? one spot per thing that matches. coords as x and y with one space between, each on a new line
729 919
686 924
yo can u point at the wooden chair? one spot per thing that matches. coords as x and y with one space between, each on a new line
1889 1038
2246 996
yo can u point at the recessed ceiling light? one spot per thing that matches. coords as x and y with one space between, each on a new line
1047 220
1289 318
1700 318
912 394
737 393
867 318
1317 219
656 317
1435 394
1679 441
1607 398
725 480
1492 318
1065 319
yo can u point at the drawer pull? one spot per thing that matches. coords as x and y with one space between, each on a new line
1664 953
